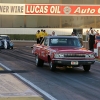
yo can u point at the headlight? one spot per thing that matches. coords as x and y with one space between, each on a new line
0 43
58 55
92 56
89 56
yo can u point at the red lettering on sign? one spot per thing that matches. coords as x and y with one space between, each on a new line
84 11
55 9
30 9
62 10
42 9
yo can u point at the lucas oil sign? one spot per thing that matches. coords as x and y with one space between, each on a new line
49 9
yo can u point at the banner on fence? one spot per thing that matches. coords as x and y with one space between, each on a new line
50 9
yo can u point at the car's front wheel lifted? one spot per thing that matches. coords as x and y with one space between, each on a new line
39 62
86 68
52 66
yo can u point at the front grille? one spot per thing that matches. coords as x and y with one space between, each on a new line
8 44
2 42
74 55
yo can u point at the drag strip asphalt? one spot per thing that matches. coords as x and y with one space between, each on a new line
30 83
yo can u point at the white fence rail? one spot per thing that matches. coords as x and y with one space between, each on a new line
58 31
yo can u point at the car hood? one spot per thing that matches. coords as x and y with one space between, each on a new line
4 40
70 49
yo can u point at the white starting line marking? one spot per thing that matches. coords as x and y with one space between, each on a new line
30 83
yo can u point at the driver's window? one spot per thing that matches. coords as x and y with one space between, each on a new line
46 42
77 42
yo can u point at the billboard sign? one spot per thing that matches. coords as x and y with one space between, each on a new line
62 10
50 9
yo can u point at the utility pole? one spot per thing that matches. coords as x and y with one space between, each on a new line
60 18
1 17
95 2
24 16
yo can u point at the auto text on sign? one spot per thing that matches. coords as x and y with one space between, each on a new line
87 10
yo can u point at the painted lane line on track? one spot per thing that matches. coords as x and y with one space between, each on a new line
30 83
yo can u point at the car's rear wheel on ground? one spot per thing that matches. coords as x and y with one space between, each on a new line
86 68
39 62
11 47
52 66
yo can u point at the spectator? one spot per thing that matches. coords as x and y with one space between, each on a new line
87 35
91 39
41 35
80 37
38 36
73 34
53 33
45 33
97 33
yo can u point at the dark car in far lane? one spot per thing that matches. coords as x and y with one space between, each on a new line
5 42
97 38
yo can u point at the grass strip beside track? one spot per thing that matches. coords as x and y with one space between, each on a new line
21 98
1 68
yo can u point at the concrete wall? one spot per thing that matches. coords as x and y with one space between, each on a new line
59 31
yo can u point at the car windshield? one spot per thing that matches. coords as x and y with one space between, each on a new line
4 37
98 37
65 42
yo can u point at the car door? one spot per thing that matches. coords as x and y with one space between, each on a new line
44 49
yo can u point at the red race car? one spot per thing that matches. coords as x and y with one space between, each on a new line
96 45
97 38
62 51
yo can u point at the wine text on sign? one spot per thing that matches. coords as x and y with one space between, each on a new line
11 9
17 9
4 9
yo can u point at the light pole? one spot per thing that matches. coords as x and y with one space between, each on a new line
24 16
1 17
60 18
95 2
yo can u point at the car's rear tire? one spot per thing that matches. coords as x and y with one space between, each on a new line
52 66
39 62
86 68
11 47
